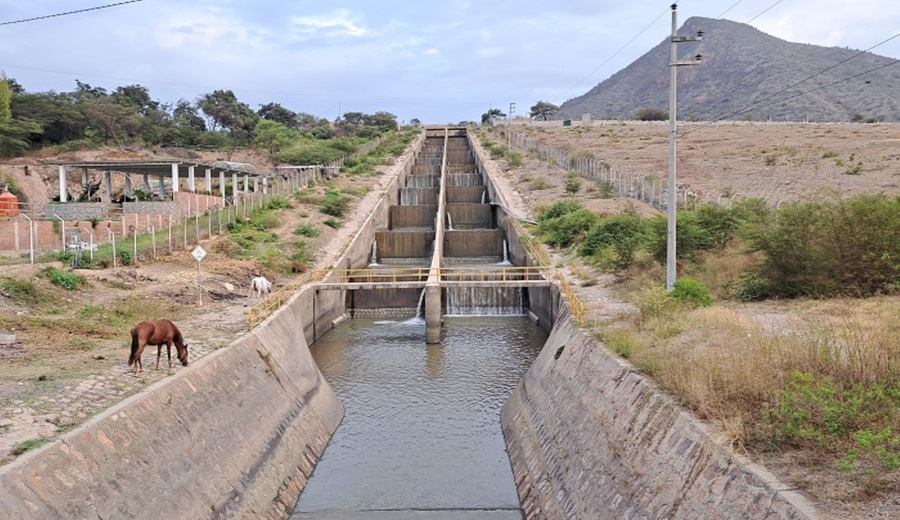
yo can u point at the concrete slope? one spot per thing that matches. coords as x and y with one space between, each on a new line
237 434
589 437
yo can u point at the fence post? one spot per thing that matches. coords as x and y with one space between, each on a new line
153 235
170 234
113 237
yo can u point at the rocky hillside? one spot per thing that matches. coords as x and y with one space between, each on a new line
742 67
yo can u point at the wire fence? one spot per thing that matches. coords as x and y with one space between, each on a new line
648 188
112 242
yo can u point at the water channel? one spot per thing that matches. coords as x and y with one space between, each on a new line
421 437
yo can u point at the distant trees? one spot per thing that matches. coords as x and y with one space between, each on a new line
651 114
542 110
91 115
491 115
13 133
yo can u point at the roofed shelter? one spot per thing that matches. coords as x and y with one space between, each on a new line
174 171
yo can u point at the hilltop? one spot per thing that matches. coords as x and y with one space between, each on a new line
744 67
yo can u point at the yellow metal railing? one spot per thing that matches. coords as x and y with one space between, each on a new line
364 275
540 255
262 310
490 273
575 304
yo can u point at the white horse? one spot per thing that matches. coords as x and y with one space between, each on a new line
260 286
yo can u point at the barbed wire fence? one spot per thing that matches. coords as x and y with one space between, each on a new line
649 188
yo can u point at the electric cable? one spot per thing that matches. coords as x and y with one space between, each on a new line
36 18
785 89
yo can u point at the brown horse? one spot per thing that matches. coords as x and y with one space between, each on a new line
159 333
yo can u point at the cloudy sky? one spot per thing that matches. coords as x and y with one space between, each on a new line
440 62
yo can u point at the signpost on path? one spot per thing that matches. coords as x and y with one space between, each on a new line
199 254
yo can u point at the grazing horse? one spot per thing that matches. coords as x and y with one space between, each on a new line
159 333
260 286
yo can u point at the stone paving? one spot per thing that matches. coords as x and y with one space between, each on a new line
50 415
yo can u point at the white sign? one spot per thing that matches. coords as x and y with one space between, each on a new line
199 253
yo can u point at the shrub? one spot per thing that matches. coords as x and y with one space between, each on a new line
515 160
307 230
66 280
846 247
691 291
651 114
605 189
335 204
557 209
616 239
125 257
572 184
332 223
565 230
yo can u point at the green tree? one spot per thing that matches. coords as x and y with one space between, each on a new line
135 97
543 110
273 136
58 114
13 133
276 112
491 115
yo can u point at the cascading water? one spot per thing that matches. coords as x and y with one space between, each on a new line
484 301
449 222
420 305
483 194
374 253
505 254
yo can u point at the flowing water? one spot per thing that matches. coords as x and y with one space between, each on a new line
421 436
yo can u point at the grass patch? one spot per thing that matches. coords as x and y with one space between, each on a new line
28 445
65 279
307 230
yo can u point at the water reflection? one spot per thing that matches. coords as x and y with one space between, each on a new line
422 423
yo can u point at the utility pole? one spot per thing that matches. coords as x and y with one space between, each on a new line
512 110
672 199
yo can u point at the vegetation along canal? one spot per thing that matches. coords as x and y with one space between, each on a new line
421 434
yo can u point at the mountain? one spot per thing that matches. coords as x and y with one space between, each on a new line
743 66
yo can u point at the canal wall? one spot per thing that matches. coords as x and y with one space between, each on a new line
236 434
590 437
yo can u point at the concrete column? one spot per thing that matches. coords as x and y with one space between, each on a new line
107 187
265 185
128 185
63 195
255 184
84 177
432 313
234 186
208 173
222 187
246 184
192 186
147 184
174 179
162 187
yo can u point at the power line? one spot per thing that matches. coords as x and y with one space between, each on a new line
766 10
785 89
69 12
730 8
582 80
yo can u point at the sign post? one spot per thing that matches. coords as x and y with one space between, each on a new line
199 254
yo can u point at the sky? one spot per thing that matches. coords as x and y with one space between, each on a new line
439 62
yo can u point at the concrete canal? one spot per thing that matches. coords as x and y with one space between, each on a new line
421 430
